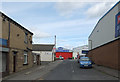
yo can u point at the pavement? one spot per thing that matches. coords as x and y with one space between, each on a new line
34 73
109 71
64 70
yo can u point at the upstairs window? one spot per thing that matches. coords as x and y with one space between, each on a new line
26 38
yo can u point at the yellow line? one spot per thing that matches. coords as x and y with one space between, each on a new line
41 79
28 72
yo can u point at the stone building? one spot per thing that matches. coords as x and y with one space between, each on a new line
15 46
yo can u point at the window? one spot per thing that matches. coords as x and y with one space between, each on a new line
25 57
26 38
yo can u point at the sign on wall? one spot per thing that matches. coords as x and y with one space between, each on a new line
117 25
3 42
60 49
84 52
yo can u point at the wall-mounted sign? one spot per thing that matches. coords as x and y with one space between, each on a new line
117 25
60 49
84 52
3 42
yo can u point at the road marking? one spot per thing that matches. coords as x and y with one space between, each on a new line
72 68
73 71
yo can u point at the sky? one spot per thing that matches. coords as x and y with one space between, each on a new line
71 22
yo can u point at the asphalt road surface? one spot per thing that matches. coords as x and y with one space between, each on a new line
70 70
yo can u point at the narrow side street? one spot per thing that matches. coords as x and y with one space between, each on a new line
61 70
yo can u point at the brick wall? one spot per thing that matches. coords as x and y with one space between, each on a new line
107 55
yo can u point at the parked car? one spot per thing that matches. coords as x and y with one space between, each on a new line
61 58
85 62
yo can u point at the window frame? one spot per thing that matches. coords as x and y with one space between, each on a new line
25 58
26 38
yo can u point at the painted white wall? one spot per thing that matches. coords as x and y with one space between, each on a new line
74 54
104 31
45 55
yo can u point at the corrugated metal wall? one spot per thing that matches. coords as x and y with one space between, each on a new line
104 31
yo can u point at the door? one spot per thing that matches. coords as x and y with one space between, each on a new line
4 64
14 61
38 59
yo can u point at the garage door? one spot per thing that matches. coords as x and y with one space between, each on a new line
4 56
0 62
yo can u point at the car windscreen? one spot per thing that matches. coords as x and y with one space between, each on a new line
84 59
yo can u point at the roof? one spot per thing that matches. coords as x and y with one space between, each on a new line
103 17
9 19
43 47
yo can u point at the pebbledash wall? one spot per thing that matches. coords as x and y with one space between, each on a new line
104 41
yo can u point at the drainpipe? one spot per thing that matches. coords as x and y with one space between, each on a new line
8 45
9 34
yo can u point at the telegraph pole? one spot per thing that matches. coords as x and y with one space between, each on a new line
55 42
55 48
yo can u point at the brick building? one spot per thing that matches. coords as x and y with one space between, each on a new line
15 46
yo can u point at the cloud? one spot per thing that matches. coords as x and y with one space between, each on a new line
66 24
68 46
99 9
39 34
16 7
68 8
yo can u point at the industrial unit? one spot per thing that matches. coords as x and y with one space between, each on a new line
15 46
65 53
81 50
104 41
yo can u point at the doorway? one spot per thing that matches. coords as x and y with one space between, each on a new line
38 59
14 61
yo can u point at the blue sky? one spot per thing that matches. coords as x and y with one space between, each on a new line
71 22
